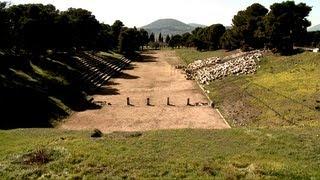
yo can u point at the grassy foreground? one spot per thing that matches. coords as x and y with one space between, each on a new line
235 153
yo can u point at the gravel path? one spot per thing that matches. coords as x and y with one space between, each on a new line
156 78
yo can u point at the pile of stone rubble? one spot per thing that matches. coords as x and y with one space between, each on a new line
199 64
205 71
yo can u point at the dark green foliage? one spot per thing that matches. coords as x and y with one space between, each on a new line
129 40
281 28
144 38
312 39
116 30
160 38
175 41
33 26
152 38
85 27
186 40
37 27
5 26
167 39
229 40
198 39
63 40
214 34
248 27
285 24
208 38
105 39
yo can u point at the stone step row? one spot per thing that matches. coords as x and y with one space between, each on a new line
96 70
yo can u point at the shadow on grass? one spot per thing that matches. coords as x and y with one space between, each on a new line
294 52
25 108
123 75
149 52
145 59
111 83
129 67
106 91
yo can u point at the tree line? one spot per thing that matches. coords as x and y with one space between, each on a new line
35 28
279 29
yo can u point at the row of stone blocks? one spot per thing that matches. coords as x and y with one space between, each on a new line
148 102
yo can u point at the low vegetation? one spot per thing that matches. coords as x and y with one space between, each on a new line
189 55
291 153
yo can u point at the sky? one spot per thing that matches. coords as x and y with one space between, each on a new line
142 12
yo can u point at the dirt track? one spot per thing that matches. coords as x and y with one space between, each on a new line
152 77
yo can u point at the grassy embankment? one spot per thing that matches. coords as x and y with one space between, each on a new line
189 55
51 84
270 151
284 92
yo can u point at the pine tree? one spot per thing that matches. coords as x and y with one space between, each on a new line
160 38
152 38
168 39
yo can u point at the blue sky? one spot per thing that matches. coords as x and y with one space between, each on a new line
141 12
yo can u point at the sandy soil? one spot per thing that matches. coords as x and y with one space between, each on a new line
156 78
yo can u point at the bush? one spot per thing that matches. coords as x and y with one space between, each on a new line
39 157
154 45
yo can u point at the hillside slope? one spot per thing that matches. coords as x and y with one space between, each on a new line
197 25
168 26
44 90
314 28
284 91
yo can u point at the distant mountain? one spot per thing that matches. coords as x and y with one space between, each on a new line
314 28
197 25
168 26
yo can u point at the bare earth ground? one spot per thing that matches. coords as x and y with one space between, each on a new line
156 78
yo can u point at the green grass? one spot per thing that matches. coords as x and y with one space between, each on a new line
284 92
188 55
234 153
110 54
49 75
23 75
